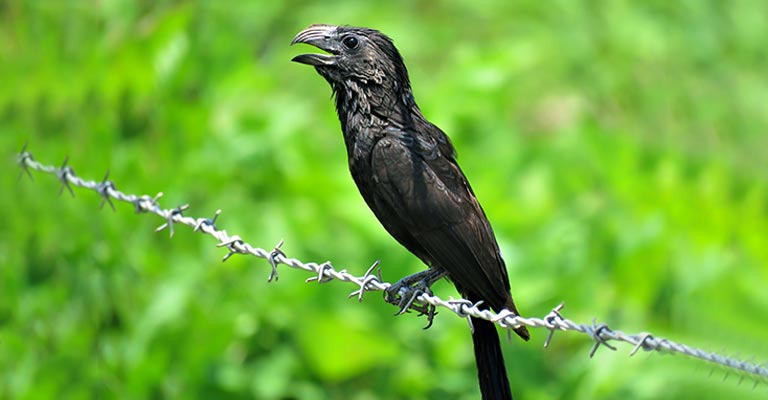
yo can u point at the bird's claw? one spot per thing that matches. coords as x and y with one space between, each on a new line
405 297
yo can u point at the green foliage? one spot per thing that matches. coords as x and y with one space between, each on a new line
618 149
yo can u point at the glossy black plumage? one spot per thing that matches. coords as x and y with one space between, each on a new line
406 170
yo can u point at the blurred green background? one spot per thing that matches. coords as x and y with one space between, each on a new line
619 149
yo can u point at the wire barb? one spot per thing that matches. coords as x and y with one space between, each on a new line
64 174
597 332
104 189
206 223
321 276
553 321
23 158
273 255
171 216
366 280
233 244
642 344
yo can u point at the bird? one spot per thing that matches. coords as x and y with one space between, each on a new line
406 171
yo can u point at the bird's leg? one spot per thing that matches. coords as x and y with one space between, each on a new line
403 292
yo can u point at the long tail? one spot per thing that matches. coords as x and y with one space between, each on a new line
491 372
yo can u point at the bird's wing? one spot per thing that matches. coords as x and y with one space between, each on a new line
431 197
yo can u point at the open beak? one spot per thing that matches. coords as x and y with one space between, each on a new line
322 37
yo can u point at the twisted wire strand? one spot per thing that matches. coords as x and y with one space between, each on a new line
600 333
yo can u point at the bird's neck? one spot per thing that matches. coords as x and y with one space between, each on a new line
364 106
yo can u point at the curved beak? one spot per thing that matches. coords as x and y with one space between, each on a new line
322 37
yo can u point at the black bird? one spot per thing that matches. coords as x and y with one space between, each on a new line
406 170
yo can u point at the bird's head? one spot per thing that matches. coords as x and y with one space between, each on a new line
358 56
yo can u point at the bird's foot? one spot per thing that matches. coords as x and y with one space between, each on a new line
405 292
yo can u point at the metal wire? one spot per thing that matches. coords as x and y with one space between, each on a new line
370 281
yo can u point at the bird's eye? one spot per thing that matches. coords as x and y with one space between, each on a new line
350 42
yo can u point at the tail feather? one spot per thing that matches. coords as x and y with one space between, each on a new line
491 372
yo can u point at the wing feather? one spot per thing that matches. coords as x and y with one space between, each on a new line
446 227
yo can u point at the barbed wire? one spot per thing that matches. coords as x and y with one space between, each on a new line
371 281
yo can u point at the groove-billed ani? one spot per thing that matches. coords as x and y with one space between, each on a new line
405 168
